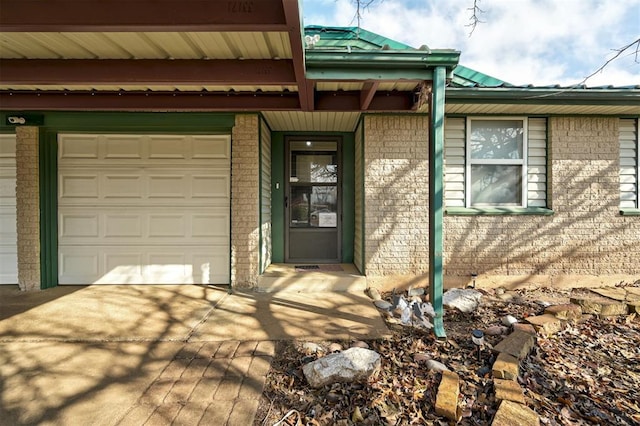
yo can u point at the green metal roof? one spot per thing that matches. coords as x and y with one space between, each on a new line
356 39
353 37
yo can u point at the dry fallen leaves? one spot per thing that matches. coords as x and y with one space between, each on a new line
587 374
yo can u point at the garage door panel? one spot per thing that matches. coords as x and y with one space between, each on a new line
210 186
123 226
167 186
144 265
143 186
144 209
122 186
8 234
78 186
173 147
9 264
211 147
75 147
75 225
78 226
117 147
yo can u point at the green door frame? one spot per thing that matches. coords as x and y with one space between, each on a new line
278 188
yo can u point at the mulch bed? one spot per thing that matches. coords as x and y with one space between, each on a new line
587 374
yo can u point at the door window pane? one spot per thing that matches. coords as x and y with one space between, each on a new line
313 168
324 207
314 206
496 184
497 139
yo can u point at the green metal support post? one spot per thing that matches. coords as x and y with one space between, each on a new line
436 160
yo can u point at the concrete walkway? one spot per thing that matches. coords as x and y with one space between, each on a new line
155 355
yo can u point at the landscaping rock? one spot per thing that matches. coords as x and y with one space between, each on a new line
447 397
615 293
352 365
464 300
418 291
507 296
547 324
434 365
509 320
360 344
517 344
567 311
600 306
511 413
496 330
382 304
634 307
527 328
508 390
335 347
506 367
374 294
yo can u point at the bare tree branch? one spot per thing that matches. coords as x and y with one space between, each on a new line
361 6
475 16
633 48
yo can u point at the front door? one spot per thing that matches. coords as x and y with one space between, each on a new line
312 200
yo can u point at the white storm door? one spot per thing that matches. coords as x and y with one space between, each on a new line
143 209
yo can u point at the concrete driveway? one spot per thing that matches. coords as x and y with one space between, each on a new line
156 355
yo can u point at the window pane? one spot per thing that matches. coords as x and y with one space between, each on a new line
497 139
496 185
324 207
300 205
313 168
314 206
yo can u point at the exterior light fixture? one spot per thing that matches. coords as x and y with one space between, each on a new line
477 337
308 143
473 279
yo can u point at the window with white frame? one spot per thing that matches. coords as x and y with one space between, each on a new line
629 159
496 162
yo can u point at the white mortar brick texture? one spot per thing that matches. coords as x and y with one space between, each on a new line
244 202
397 195
585 236
28 208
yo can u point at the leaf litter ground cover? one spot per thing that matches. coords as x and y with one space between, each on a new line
589 373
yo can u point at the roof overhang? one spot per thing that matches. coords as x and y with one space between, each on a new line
536 100
184 55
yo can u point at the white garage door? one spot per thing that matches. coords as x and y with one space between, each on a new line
8 237
143 209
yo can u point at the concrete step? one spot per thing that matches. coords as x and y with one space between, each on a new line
285 278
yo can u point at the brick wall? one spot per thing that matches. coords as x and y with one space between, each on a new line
585 242
397 196
28 208
244 202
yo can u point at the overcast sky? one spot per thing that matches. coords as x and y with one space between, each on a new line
536 42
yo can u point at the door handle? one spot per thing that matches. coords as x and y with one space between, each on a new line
286 202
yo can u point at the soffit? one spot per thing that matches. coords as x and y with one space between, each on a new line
292 121
145 45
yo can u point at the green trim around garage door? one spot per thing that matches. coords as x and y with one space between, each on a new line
98 122
277 197
48 158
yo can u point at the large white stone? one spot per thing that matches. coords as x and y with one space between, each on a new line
465 300
354 364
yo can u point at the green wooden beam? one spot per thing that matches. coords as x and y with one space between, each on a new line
436 211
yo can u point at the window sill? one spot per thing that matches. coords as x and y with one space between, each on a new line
629 212
496 211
